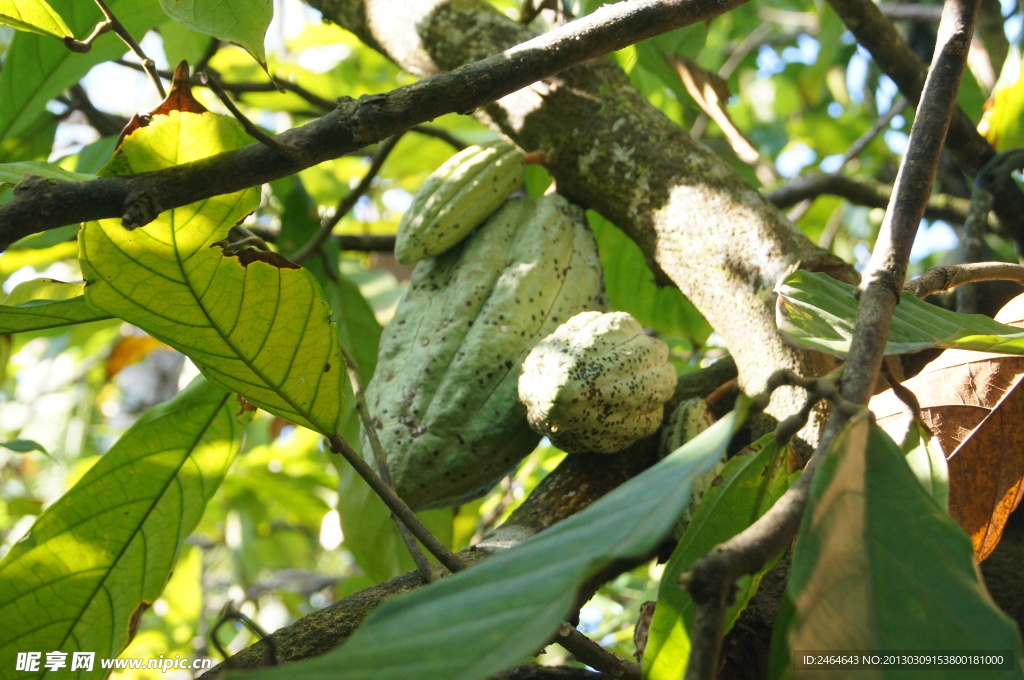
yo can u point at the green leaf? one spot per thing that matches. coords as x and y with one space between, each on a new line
816 311
37 68
24 446
33 15
370 534
44 303
106 548
253 323
878 565
485 619
243 22
12 173
928 462
727 509
631 288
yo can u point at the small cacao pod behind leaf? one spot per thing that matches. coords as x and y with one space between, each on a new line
688 420
443 396
597 384
457 198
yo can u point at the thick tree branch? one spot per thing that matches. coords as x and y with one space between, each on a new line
40 205
711 577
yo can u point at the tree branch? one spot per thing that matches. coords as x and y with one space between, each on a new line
40 205
711 578
862 192
895 58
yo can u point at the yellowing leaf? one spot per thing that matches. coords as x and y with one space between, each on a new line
252 322
1003 122
243 22
33 15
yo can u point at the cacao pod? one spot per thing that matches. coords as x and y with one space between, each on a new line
456 198
443 397
597 384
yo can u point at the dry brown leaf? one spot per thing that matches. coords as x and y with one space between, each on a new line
971 404
129 350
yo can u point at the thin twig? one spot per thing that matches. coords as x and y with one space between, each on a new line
402 511
948 277
207 78
352 368
865 139
83 46
347 203
147 64
711 580
862 192
594 655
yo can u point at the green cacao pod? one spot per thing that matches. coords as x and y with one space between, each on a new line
597 384
443 397
688 420
457 198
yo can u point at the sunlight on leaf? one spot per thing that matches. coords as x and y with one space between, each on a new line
107 546
480 621
33 15
878 565
243 22
37 68
44 303
252 322
818 312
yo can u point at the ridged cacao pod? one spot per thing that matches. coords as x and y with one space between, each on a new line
457 198
597 384
443 397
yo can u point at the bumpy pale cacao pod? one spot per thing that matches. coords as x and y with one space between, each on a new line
598 383
456 198
443 397
688 420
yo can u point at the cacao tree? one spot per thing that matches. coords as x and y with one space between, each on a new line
235 426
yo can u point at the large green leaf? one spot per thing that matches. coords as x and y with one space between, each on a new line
750 485
252 322
243 22
106 548
631 287
33 15
879 566
37 68
44 303
816 311
487 618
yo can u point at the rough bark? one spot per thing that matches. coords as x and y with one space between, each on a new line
699 223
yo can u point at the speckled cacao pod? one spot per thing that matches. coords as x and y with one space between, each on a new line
443 397
456 198
597 384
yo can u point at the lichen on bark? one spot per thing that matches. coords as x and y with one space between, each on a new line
698 222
